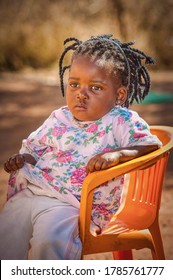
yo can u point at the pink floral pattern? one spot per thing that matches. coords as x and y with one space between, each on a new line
62 147
92 128
78 176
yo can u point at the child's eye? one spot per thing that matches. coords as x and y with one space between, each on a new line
96 88
74 85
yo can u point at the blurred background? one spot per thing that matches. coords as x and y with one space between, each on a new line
31 42
32 32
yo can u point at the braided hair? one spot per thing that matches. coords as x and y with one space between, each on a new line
120 58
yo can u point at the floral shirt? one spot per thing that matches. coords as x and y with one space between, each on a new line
62 146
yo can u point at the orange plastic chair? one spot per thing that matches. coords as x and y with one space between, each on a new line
136 224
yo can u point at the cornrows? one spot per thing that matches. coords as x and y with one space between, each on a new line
120 58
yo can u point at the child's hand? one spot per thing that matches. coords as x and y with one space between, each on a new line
103 161
119 155
17 161
14 163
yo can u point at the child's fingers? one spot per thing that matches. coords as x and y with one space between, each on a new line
101 162
105 164
90 165
20 160
6 167
95 164
98 164
14 163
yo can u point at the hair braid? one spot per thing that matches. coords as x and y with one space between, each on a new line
61 68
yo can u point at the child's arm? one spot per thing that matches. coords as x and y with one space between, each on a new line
109 159
17 161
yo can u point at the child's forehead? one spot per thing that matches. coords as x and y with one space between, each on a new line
94 61
84 64
102 63
83 58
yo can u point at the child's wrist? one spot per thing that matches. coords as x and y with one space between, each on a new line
29 159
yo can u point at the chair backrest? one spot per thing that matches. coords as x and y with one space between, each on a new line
144 195
142 202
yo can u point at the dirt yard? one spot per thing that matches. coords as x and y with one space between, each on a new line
28 98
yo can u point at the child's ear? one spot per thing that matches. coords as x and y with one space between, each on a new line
121 95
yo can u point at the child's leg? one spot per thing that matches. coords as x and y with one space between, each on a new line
55 230
54 225
16 227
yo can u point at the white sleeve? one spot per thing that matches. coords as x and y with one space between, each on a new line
134 131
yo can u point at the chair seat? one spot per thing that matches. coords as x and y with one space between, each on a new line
116 227
133 239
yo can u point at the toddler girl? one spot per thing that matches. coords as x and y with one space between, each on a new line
95 131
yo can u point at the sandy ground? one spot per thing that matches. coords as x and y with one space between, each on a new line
27 98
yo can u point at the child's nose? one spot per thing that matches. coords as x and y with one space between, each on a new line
83 93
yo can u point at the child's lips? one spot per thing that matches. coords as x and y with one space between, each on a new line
81 107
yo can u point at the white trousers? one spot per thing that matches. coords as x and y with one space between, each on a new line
45 227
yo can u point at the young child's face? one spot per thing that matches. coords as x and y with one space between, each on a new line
91 92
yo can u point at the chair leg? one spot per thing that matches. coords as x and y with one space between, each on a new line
158 253
123 255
